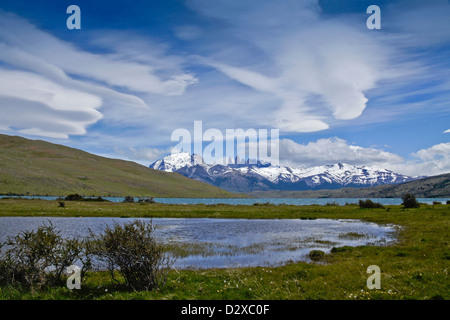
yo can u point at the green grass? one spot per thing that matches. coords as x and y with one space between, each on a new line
416 267
42 168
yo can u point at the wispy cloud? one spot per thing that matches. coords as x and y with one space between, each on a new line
317 68
322 71
52 73
239 64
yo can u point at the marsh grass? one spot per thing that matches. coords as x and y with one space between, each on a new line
415 267
352 235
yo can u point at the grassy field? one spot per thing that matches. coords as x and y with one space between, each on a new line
416 267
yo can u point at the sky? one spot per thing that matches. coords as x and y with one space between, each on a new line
136 71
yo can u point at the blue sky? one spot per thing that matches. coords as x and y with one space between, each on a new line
138 70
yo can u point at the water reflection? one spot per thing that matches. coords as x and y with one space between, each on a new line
217 243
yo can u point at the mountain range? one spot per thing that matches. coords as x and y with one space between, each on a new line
246 177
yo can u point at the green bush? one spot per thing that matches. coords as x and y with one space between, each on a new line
128 199
73 197
370 204
341 249
409 201
132 250
98 199
316 255
34 259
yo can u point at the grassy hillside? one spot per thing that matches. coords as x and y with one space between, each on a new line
38 167
430 187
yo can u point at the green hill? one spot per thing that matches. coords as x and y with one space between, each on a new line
37 167
429 187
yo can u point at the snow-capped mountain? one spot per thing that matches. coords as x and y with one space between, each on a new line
263 176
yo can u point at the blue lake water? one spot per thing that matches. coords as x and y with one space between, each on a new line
220 243
251 201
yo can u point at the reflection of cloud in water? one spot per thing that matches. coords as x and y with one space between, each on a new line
204 243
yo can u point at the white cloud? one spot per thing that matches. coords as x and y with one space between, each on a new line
333 150
318 69
32 87
105 68
143 155
446 131
437 152
425 162
430 161
41 73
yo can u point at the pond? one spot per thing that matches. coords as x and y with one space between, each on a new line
219 243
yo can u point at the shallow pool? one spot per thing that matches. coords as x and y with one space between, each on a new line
220 243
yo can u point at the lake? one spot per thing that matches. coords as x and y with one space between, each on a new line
251 201
219 243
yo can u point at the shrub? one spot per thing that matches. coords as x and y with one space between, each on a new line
316 255
34 259
448 201
98 199
437 202
128 199
146 200
409 201
332 204
370 204
134 252
262 204
341 249
73 197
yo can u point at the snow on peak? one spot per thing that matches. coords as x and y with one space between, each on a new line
177 161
